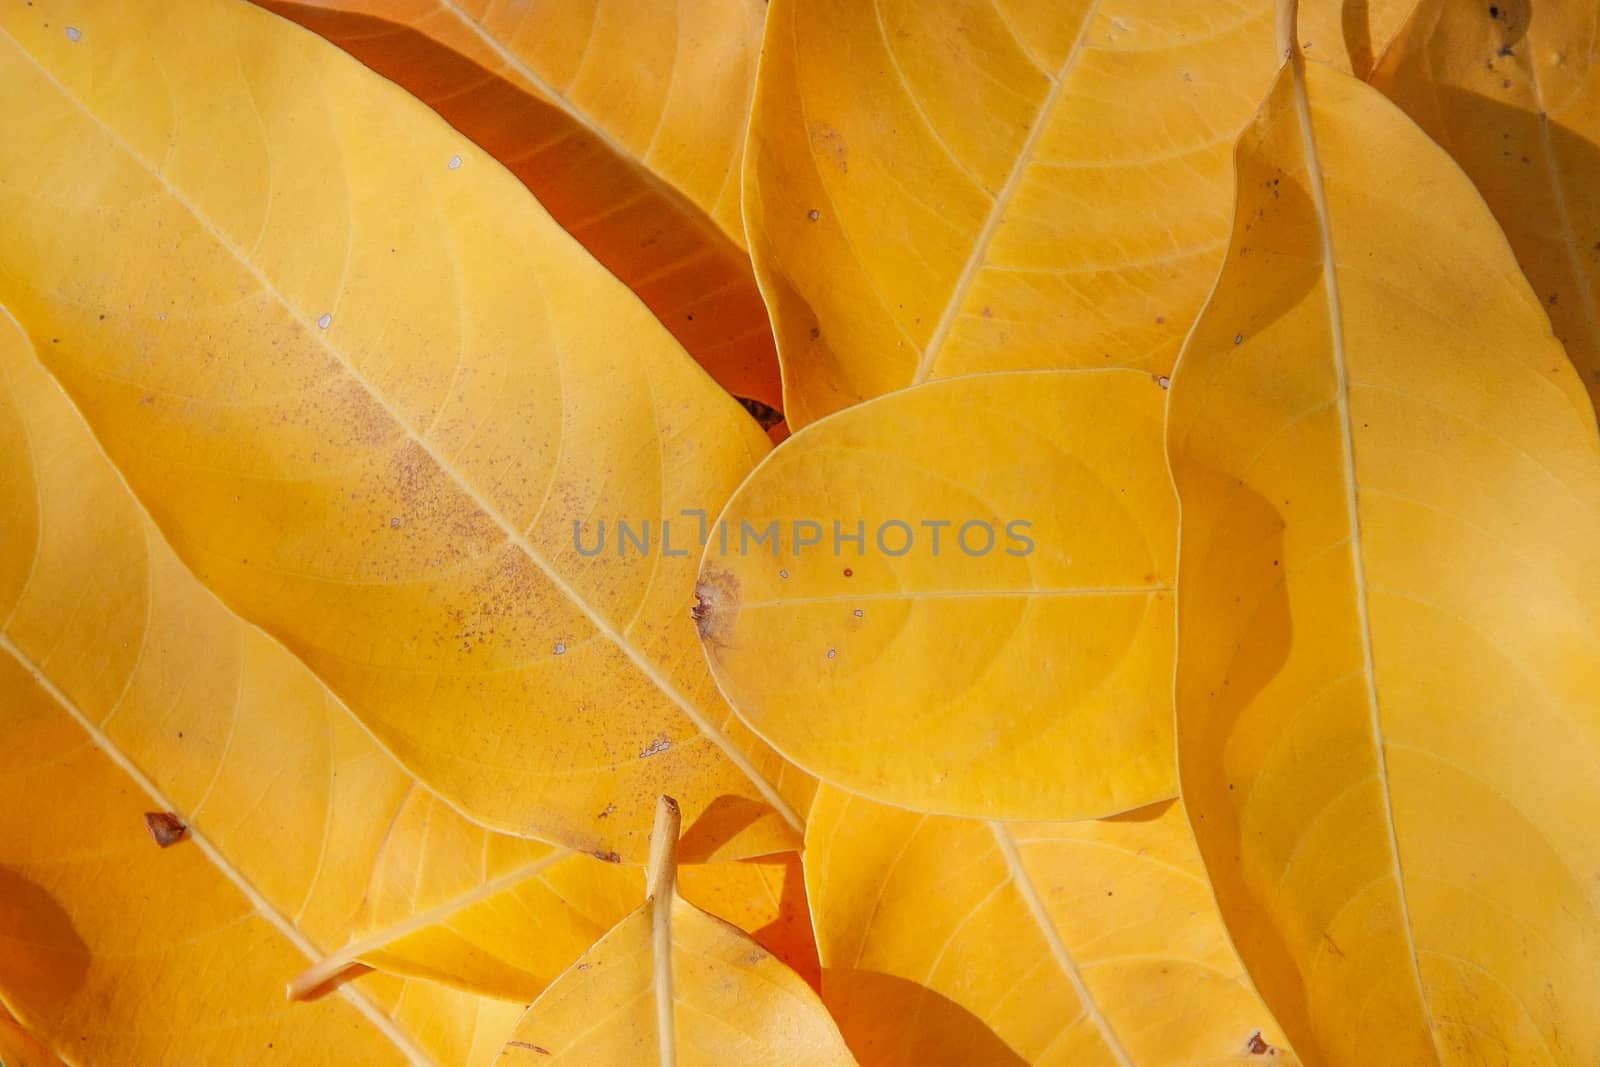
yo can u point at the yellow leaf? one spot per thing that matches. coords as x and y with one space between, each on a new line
502 916
941 189
626 122
1013 663
673 985
1352 35
1516 100
488 913
129 691
766 898
1388 676
953 941
366 388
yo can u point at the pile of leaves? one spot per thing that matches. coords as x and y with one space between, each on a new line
712 532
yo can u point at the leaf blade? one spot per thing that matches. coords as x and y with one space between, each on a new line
1042 229
1063 622
390 420
662 219
1382 460
1088 942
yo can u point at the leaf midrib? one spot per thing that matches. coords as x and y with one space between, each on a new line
1058 949
331 964
1002 201
1314 178
635 656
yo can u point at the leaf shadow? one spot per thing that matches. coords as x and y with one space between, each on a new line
889 1021
1214 694
1503 149
45 959
722 820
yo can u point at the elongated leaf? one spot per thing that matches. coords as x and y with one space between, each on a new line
1389 605
129 691
1014 661
1512 91
366 387
1081 943
627 121
672 985
939 189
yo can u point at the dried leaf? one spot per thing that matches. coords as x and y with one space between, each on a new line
1515 99
673 985
626 121
365 392
1389 602
941 189
1079 943
1014 662
484 912
128 688
502 917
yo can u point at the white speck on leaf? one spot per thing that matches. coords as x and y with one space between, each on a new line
660 744
394 523
783 574
324 322
1163 381
857 613
73 33
832 653
560 648
455 163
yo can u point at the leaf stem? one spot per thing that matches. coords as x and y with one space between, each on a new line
1288 41
661 877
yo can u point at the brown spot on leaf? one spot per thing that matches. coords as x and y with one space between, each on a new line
165 827
827 143
716 604
526 1045
1256 1046
606 857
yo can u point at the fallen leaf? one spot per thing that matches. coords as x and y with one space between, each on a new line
1389 602
941 189
1014 662
626 122
1516 101
487 913
128 687
502 916
1075 943
366 395
671 984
